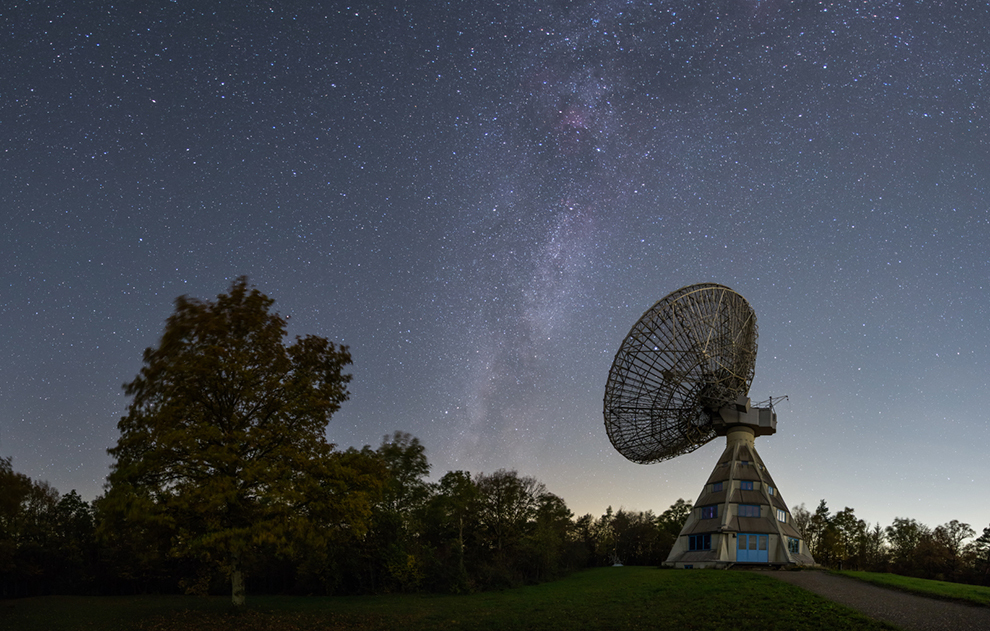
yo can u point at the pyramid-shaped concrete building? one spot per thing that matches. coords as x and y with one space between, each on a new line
740 516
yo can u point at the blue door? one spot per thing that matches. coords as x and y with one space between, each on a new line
752 548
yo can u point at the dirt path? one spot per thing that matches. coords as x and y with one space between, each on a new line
910 612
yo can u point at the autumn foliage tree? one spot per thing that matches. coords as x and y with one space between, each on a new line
223 449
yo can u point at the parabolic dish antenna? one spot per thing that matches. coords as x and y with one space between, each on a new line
688 356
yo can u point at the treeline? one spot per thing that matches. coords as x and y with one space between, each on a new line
391 529
395 531
905 547
47 540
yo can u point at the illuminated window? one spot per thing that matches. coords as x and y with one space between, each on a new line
749 510
709 512
746 485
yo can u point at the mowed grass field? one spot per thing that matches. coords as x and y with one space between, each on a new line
603 598
974 594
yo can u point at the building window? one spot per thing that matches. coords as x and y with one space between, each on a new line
744 462
746 485
709 512
700 542
770 490
749 510
793 545
716 487
781 515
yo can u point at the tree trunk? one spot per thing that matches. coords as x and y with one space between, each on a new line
460 546
237 596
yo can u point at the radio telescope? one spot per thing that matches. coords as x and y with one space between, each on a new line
680 379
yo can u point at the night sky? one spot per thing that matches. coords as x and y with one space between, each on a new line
481 198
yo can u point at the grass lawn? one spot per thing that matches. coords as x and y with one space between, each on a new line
937 589
603 598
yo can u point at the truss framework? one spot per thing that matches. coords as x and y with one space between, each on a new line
691 353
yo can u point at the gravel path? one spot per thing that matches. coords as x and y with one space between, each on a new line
910 612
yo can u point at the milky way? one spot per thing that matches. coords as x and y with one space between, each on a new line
481 199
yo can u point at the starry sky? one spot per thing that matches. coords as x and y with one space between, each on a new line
481 199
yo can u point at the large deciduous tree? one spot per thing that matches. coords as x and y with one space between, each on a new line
395 541
449 527
223 447
507 503
904 536
981 558
850 534
669 523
